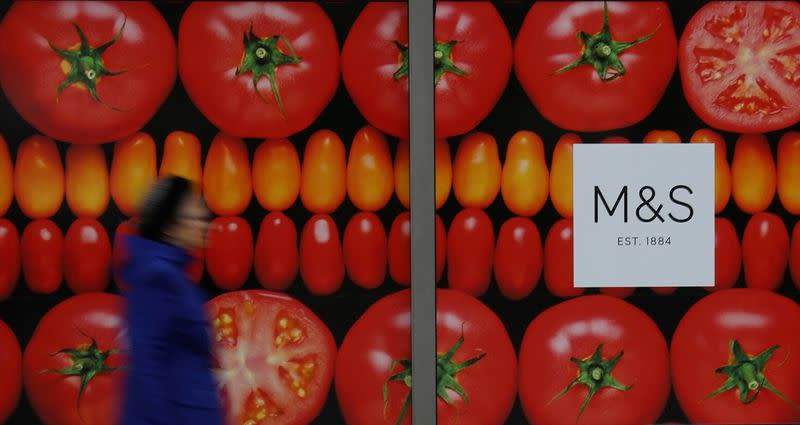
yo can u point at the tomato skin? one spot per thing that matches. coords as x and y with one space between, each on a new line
756 319
365 250
256 316
41 250
399 250
229 101
558 260
561 174
9 260
87 181
324 173
32 71
6 177
73 324
619 103
616 139
789 171
119 251
227 184
794 259
229 253
753 173
741 85
441 247
477 171
370 58
182 152
518 258
722 169
133 170
728 255
38 177
625 292
402 176
321 257
87 256
526 180
370 178
765 249
662 136
470 252
276 174
11 370
277 257
383 334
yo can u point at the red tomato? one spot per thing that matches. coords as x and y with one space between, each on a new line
472 59
625 292
9 260
86 72
765 248
738 66
664 290
229 254
593 360
728 255
399 250
290 358
87 256
91 327
613 85
7 177
321 257
41 250
441 247
733 359
365 250
119 252
558 260
10 370
470 252
518 258
794 259
277 257
477 363
276 83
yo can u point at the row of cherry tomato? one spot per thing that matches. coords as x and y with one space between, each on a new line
369 176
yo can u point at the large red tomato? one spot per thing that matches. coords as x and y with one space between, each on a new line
472 60
10 370
734 359
41 250
86 72
229 254
9 258
277 257
71 366
593 360
614 73
365 250
276 82
321 256
477 365
765 249
87 256
275 358
739 65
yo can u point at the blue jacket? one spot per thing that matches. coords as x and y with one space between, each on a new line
170 379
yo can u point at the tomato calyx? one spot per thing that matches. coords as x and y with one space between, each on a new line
83 65
446 370
602 51
442 61
262 57
745 373
595 373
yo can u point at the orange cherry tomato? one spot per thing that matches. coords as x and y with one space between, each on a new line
526 181
9 258
765 251
87 180
558 260
87 256
753 173
470 252
39 177
661 136
277 257
226 177
321 257
616 139
276 174
6 177
789 171
728 255
41 250
402 178
477 171
323 181
518 258
229 254
561 174
182 157
370 177
443 170
133 170
399 250
365 250
722 169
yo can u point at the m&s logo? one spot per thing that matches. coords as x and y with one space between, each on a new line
649 209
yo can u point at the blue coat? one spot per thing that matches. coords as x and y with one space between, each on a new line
170 379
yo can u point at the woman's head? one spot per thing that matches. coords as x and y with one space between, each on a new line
172 212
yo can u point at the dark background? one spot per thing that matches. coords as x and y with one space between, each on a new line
514 112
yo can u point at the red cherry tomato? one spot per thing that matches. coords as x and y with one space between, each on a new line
119 252
794 260
87 256
441 247
42 248
365 250
400 249
277 257
558 260
321 258
765 249
728 263
470 252
518 258
619 292
9 259
229 254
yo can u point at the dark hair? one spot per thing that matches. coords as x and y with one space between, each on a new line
160 207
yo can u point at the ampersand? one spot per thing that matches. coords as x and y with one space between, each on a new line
646 203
